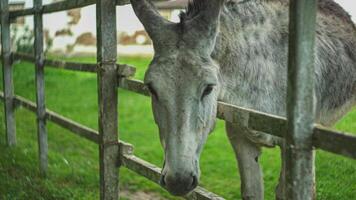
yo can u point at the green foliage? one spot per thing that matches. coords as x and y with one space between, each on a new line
24 40
73 161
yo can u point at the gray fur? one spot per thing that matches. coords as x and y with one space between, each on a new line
253 58
241 49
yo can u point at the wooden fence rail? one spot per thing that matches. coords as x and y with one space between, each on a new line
7 74
40 89
123 69
323 138
67 5
115 153
126 156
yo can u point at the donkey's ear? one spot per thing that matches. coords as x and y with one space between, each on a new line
157 27
206 22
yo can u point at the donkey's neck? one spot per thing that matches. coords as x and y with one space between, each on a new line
251 51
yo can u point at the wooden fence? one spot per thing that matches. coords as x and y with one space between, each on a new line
303 136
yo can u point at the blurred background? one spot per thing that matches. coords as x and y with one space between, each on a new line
73 32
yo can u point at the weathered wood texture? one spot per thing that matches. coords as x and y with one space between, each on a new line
334 142
40 89
153 173
133 85
67 5
62 121
126 156
123 69
7 74
256 120
107 94
322 138
168 5
302 134
344 144
68 124
299 159
72 126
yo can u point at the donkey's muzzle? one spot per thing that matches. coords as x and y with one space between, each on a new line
179 184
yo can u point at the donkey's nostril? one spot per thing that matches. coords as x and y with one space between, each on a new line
178 184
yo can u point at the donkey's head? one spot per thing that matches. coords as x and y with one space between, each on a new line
184 84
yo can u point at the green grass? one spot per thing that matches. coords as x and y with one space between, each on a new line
73 161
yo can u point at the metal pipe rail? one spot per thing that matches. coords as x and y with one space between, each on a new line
127 158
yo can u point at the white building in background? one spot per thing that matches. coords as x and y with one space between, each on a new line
75 31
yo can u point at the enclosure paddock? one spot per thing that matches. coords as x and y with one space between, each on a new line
301 139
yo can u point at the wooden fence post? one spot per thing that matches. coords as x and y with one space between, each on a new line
8 84
107 91
40 88
299 162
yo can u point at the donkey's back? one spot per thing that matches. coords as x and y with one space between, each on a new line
335 62
252 49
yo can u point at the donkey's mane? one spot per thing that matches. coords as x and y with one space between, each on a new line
193 9
330 7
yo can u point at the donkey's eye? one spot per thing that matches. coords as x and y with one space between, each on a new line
208 89
152 91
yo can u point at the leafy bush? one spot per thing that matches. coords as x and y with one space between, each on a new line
23 40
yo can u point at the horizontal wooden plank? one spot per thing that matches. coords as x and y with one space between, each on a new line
335 142
64 122
66 5
83 67
258 121
169 5
22 12
323 138
75 127
123 69
54 7
153 173
133 163
128 160
133 85
126 148
22 56
141 167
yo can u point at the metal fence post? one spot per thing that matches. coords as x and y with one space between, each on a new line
299 152
40 89
7 74
107 91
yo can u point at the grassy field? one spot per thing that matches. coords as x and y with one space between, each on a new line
73 162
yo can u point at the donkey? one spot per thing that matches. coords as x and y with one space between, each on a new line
236 52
